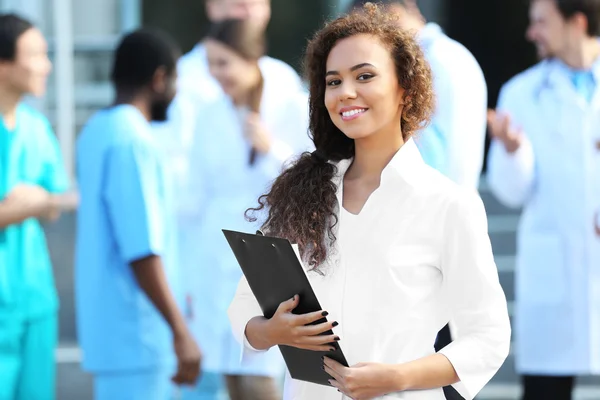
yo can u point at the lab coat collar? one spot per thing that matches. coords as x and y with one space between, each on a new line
559 70
404 165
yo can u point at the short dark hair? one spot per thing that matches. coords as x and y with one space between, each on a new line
589 8
12 27
140 54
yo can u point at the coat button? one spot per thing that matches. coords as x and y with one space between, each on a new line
598 145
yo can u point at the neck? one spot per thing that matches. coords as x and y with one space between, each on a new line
9 100
583 55
136 99
373 153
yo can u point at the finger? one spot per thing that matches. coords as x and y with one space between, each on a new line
504 125
178 378
288 305
317 340
322 348
309 318
190 373
311 330
339 387
336 366
333 374
491 116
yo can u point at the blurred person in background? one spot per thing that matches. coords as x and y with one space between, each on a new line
454 141
545 158
196 87
241 144
134 337
196 90
33 184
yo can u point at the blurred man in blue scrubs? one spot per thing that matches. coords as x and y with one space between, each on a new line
134 337
31 180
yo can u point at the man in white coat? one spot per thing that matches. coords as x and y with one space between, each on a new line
545 158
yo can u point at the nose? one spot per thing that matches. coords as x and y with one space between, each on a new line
347 91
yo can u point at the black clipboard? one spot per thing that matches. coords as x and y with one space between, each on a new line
274 275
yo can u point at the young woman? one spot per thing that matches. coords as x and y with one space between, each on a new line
392 248
242 142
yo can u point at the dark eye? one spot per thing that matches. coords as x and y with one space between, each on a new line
364 77
333 82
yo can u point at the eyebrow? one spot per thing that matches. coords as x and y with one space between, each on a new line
357 66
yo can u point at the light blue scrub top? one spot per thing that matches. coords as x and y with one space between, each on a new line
124 215
29 154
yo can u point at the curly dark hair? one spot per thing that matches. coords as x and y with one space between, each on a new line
302 203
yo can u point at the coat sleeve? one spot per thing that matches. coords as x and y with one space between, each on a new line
511 176
242 309
478 308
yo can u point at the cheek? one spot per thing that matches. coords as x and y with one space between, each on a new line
331 103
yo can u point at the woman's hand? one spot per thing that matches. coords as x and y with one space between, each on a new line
257 133
285 328
364 381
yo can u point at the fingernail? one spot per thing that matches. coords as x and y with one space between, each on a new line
336 338
332 349
324 313
334 324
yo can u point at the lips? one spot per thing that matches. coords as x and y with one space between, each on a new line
352 113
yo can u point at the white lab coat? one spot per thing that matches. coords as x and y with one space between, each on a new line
555 177
454 142
222 186
196 90
417 255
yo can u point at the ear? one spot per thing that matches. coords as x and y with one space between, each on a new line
159 80
580 21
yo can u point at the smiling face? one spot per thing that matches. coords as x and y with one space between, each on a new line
29 70
362 93
235 74
548 30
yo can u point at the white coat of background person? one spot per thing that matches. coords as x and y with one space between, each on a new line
454 141
545 158
196 87
241 144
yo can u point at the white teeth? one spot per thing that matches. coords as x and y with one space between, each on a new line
353 112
